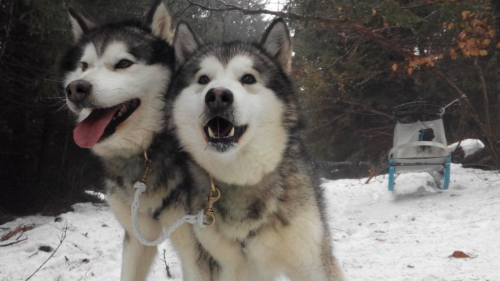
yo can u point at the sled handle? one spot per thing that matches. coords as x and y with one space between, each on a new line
419 143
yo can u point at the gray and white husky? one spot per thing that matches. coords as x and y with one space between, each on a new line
115 77
236 112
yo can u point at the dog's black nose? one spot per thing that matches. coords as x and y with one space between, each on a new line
78 90
219 98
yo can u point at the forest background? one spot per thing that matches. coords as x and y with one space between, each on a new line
354 61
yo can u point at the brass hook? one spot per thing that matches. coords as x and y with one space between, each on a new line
212 197
147 170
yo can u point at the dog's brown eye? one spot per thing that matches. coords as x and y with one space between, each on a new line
248 79
84 66
203 80
123 64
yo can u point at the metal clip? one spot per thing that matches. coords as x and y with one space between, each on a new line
147 170
212 197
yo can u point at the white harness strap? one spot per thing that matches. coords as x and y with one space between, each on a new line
203 218
192 219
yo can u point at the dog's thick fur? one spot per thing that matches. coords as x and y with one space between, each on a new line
271 217
94 58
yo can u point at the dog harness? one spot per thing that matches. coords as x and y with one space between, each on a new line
203 219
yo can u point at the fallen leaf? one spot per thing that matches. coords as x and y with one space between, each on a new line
85 260
394 67
410 266
459 255
465 14
379 240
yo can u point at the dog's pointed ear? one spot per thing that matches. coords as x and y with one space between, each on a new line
185 42
277 42
79 24
161 22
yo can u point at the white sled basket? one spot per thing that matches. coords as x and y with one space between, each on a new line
419 146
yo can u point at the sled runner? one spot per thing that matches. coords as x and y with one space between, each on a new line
420 142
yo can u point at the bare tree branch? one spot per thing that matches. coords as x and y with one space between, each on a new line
485 95
228 7
461 95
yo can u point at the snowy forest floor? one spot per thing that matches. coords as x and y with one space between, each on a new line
409 234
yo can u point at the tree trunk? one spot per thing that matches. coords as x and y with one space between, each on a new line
496 108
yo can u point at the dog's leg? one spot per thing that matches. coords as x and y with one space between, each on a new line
137 258
301 250
309 253
232 272
257 272
228 254
195 261
320 266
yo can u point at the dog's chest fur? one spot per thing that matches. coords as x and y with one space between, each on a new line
243 211
166 183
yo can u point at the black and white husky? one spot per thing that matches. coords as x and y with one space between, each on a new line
235 111
115 77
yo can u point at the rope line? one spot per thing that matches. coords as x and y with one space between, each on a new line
191 219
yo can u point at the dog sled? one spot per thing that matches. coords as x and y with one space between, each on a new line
420 143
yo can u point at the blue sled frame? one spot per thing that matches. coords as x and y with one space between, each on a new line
447 172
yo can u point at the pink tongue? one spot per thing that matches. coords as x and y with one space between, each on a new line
88 132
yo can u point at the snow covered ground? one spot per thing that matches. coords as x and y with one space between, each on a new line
470 146
378 235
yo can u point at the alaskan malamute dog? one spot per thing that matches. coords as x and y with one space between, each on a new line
236 112
115 77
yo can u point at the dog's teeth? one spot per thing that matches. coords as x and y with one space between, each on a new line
211 133
231 134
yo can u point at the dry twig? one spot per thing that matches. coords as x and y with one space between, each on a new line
169 275
21 228
61 240
18 241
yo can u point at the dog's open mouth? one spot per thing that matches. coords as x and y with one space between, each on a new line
220 130
102 122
